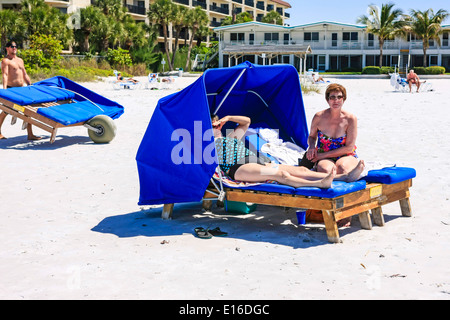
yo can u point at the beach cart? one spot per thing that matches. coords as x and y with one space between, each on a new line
59 103
175 166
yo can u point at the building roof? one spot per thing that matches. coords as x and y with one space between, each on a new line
256 23
284 3
267 49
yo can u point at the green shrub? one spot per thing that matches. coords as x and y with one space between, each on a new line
387 70
119 57
435 70
371 70
50 46
420 70
44 52
33 59
429 70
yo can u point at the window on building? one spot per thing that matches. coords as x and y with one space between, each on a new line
334 39
350 36
311 36
445 39
433 60
370 40
271 37
237 37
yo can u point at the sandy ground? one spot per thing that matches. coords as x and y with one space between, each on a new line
71 228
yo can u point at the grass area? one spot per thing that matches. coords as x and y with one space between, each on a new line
308 88
84 70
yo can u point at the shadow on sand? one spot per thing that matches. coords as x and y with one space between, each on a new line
267 224
21 142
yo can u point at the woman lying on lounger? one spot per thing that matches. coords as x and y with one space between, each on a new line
335 131
241 164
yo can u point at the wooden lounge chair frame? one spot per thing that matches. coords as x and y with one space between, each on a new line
29 114
358 203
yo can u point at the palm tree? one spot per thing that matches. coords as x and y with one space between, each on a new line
161 13
196 17
40 18
10 25
272 17
89 18
179 22
385 24
427 26
237 18
133 33
111 7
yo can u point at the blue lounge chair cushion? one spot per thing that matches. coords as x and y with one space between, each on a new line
338 188
58 93
34 94
390 175
71 113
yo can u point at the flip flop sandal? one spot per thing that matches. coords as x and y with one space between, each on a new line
202 233
216 232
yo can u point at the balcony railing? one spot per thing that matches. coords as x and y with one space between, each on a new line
215 24
260 6
219 9
136 9
329 44
185 2
199 3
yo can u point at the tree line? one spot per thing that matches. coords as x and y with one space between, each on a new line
389 22
106 25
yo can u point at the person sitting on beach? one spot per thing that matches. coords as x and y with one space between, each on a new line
241 164
335 131
413 78
121 79
14 75
318 79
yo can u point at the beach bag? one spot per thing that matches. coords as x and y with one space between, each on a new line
239 207
314 216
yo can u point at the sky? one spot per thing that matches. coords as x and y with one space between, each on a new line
347 11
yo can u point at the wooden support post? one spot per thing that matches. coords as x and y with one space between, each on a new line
405 206
377 216
331 226
207 205
364 220
167 211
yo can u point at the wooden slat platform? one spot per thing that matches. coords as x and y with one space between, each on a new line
358 203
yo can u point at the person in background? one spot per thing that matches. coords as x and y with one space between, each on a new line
14 75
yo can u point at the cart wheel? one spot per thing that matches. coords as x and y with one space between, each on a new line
106 126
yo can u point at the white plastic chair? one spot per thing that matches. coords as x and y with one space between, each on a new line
124 84
153 81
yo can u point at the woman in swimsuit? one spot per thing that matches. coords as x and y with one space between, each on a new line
242 164
335 131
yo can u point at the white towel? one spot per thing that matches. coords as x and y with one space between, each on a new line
285 153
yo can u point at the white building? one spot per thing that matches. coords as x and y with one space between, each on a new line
136 8
334 46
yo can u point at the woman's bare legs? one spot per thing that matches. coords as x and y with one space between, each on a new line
348 168
252 172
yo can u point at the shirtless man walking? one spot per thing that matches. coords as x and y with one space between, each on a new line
14 75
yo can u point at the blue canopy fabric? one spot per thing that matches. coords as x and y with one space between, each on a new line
176 158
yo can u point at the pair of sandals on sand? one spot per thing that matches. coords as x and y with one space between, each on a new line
203 233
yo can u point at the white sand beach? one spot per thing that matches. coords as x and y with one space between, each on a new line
71 227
